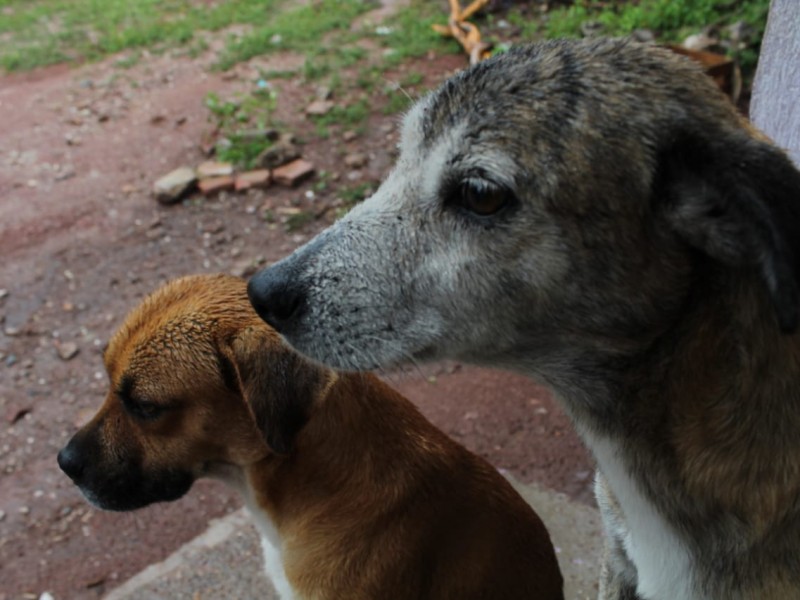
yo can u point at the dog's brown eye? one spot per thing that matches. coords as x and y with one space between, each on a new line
144 409
481 198
148 410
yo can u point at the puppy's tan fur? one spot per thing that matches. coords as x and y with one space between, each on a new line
367 499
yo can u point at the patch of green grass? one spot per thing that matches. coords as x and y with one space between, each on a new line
347 56
43 32
399 101
410 34
335 82
399 93
197 47
412 78
243 151
350 116
279 74
316 66
235 117
299 29
355 194
667 17
671 20
368 77
530 29
255 109
126 62
322 61
298 220
350 196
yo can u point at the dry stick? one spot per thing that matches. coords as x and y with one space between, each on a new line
465 33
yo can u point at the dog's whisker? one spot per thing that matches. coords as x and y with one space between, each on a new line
365 358
408 358
399 87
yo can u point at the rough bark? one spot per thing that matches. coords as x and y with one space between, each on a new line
775 106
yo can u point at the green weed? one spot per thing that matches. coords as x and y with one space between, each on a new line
350 196
235 117
671 20
410 34
530 29
350 116
399 101
300 29
298 220
43 32
126 62
412 78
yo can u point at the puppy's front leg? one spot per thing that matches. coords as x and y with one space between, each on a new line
617 572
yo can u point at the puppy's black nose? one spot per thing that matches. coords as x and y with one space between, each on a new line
70 462
276 295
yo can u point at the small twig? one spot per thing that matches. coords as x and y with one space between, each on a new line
465 33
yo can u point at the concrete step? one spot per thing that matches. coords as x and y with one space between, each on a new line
225 561
577 534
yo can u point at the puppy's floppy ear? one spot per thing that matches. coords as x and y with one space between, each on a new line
278 384
737 199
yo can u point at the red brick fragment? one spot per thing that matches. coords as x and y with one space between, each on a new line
293 173
214 185
259 178
211 168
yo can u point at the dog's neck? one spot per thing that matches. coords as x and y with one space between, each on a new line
722 344
708 406
362 453
727 346
354 431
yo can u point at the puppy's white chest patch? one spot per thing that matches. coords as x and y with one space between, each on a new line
270 540
271 547
663 563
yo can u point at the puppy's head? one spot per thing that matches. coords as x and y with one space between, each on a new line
198 384
559 198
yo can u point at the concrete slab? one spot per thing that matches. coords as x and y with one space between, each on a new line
577 534
225 561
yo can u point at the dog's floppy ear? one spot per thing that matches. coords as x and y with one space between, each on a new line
278 385
737 199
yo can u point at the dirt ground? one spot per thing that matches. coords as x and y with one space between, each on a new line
82 240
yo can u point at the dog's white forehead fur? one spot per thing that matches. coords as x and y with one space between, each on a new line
431 162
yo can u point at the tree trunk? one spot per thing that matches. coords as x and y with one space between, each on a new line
775 106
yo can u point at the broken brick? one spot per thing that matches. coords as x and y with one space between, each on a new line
212 168
214 185
293 173
260 178
175 185
319 108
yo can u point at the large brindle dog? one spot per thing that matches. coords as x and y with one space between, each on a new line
597 215
356 495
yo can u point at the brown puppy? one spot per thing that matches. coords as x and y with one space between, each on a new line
355 494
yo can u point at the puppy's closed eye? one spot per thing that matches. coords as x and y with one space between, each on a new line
144 410
139 408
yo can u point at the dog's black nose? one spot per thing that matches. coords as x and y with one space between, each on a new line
276 295
70 462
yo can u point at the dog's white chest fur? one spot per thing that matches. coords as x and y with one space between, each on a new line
270 540
662 561
271 547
